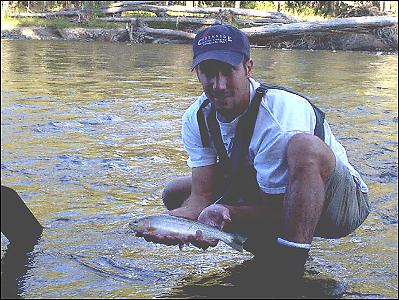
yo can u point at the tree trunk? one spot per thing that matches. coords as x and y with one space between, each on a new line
180 20
170 33
382 5
355 24
4 7
208 10
333 10
277 5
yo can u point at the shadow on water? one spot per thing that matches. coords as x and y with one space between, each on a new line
252 280
23 231
15 264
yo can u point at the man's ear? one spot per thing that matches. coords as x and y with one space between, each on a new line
249 65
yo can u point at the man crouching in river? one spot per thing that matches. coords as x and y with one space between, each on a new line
264 161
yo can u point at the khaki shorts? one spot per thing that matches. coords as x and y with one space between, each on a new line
346 206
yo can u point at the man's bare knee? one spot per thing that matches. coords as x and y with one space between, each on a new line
307 153
176 192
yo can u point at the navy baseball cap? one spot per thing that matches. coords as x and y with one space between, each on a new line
220 42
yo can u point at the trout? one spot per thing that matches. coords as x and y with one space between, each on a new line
182 228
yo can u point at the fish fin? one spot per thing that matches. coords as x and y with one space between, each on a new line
181 246
237 242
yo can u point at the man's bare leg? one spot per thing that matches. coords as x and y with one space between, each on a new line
310 165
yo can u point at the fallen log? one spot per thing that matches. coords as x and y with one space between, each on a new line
122 3
358 33
353 24
346 41
202 21
169 33
192 20
261 21
195 10
139 32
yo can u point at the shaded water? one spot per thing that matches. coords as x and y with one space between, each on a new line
90 133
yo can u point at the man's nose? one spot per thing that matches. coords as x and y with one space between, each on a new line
219 82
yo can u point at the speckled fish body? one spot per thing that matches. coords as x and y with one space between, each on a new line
182 228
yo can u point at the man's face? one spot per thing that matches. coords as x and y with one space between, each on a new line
226 86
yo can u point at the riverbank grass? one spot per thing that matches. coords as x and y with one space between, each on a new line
59 23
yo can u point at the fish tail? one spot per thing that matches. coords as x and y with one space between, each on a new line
237 242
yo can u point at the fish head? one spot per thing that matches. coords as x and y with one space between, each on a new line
139 225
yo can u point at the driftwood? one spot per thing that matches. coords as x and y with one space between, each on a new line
201 21
193 20
358 33
119 7
122 3
195 10
139 32
261 21
169 33
354 24
361 33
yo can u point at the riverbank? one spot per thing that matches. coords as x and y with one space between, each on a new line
373 33
368 29
67 34
383 39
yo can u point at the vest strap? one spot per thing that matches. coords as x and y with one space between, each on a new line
202 124
240 179
214 130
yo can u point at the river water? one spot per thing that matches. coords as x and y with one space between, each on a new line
90 133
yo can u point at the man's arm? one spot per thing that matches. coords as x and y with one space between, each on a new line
244 218
203 193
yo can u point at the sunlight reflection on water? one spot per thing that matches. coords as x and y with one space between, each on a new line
91 133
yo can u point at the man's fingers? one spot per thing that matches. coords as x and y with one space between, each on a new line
198 235
199 241
204 244
160 239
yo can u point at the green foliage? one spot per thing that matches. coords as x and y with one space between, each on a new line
96 9
57 23
138 13
300 8
260 5
58 6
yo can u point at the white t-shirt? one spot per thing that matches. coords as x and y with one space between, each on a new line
281 115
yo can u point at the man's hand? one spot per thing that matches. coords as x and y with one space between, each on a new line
215 215
159 238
